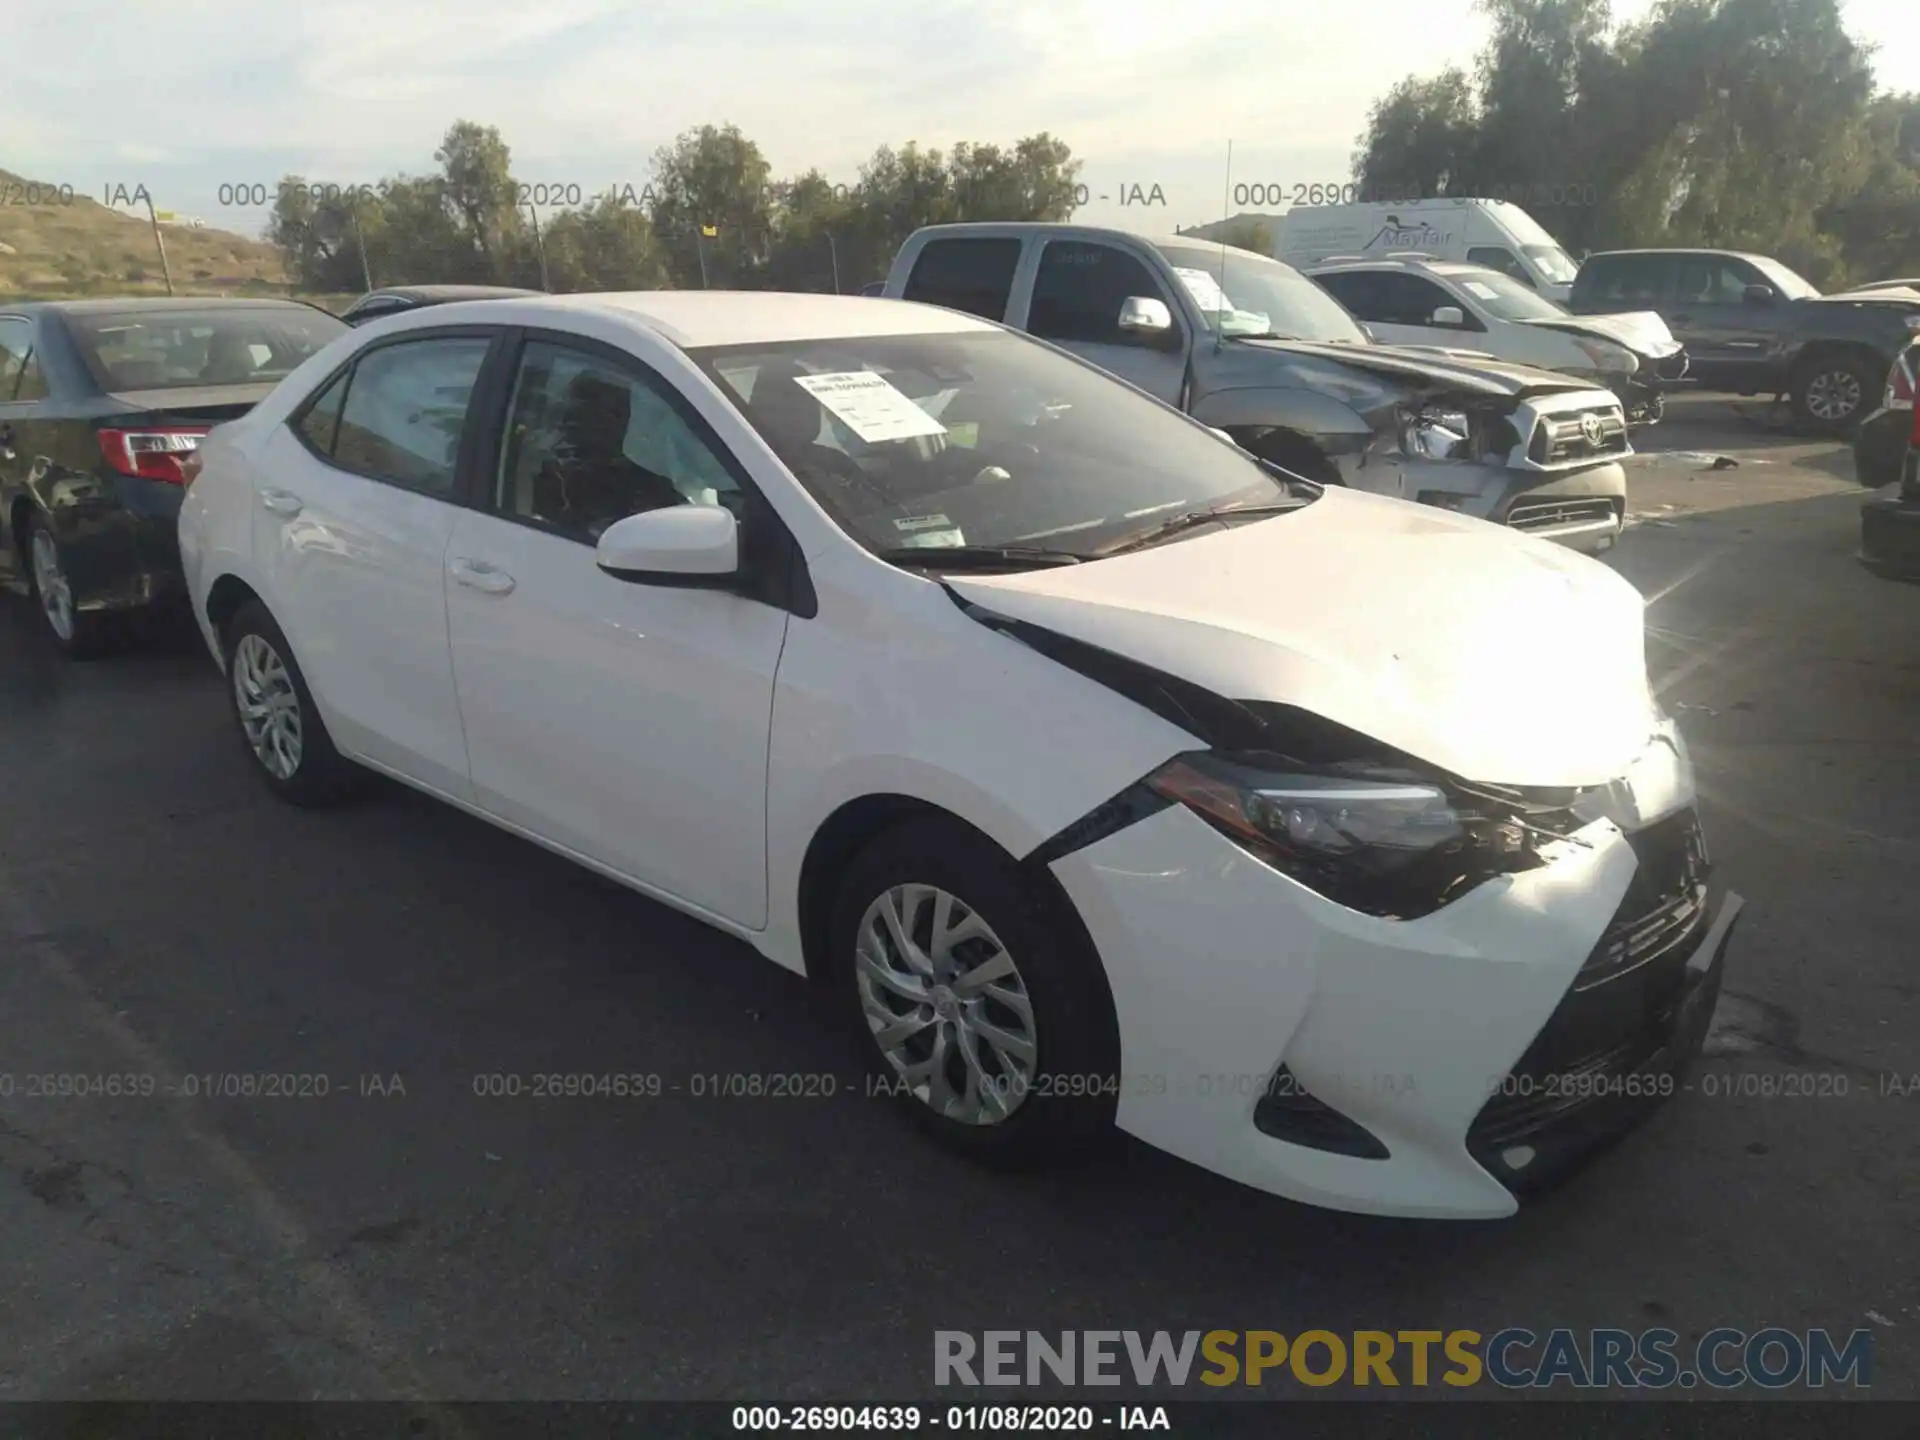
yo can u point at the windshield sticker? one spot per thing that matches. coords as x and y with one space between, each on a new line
1482 289
923 522
1204 289
869 406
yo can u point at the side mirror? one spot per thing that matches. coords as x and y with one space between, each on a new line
1449 317
692 545
1145 316
1758 295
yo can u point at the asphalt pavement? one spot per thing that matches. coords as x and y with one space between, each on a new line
408 1235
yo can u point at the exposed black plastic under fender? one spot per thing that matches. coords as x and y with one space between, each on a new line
1109 817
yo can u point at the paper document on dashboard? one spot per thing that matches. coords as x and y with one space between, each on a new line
869 406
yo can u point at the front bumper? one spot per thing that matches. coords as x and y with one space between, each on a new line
1232 983
1584 509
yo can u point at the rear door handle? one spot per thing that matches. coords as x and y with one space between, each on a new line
478 575
282 502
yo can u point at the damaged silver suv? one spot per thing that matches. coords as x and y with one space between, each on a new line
1256 350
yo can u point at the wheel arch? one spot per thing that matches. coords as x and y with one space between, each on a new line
225 597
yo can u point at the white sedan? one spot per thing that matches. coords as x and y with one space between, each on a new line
1446 305
1103 774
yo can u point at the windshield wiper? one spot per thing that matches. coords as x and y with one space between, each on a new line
1192 519
976 557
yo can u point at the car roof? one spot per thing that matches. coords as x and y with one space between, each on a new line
446 293
693 319
1434 267
1067 230
1675 250
161 303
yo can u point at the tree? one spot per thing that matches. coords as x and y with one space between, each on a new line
478 190
713 178
605 245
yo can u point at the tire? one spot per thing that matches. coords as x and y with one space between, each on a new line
1060 1100
300 763
79 634
1290 452
1833 393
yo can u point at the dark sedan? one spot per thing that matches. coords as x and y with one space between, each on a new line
102 404
398 299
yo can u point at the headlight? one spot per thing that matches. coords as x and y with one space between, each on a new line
1606 357
1435 434
1386 843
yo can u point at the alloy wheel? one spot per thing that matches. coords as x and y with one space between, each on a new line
269 705
946 1004
1833 395
51 584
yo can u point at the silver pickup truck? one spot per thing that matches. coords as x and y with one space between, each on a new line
1254 349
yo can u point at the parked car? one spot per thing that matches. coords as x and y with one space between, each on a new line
100 403
1255 349
1752 326
1890 524
1912 282
1450 306
1495 233
1880 446
398 299
852 629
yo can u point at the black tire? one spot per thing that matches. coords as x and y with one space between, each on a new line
1825 375
321 776
1070 1100
92 634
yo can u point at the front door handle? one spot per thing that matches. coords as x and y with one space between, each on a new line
282 502
478 575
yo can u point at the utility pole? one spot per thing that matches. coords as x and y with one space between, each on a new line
540 245
699 244
359 239
158 242
834 251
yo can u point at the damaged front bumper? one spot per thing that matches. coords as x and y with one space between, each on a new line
1550 465
1444 1066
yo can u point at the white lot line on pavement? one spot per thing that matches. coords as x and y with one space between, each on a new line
325 1289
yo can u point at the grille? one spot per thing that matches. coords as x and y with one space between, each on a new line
1591 433
1554 514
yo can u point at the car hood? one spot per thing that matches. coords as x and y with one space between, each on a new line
1466 371
1641 331
1905 298
1496 657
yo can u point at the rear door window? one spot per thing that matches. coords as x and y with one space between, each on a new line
974 274
1629 281
406 409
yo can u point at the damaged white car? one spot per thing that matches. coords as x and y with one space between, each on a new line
1103 774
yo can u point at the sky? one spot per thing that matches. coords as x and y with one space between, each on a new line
210 103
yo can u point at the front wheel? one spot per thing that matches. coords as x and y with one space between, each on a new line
979 1008
1833 394
278 721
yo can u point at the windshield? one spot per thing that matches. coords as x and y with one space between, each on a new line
169 349
982 439
1552 262
1504 297
1787 282
1250 295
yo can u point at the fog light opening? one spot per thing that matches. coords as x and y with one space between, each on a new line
1517 1157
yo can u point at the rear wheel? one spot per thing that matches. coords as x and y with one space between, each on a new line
80 634
1833 393
982 1012
278 721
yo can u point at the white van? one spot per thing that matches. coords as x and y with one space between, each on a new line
1495 233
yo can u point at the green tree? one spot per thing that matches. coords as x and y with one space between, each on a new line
713 178
604 245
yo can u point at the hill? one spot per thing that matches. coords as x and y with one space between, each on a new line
55 246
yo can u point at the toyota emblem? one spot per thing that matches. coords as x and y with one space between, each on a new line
1591 429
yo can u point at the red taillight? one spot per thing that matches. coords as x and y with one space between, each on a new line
158 454
1900 384
1913 438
